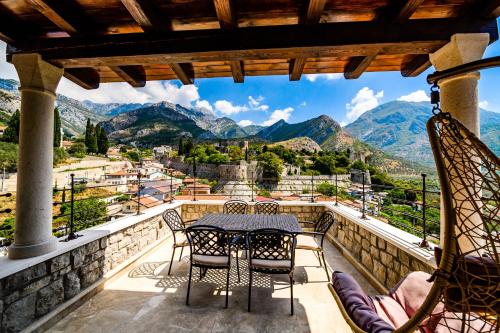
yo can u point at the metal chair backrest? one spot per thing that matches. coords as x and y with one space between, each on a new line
173 220
325 222
267 207
271 244
235 207
208 240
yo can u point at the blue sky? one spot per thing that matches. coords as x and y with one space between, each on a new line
265 100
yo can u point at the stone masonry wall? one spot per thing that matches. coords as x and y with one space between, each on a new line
192 211
387 262
37 290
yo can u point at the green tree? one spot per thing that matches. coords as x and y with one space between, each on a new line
87 212
271 164
235 153
77 149
187 147
92 143
325 164
60 155
359 165
88 133
218 159
11 133
57 128
8 156
102 140
180 151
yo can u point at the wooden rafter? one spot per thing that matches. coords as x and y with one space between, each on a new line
87 78
184 72
143 15
53 14
328 39
237 71
491 8
311 16
357 65
134 75
414 65
225 14
400 11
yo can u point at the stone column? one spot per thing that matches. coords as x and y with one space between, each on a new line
459 97
39 80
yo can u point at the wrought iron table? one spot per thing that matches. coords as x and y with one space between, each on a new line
243 223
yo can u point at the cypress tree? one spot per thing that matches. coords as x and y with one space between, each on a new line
57 128
180 151
88 134
11 133
102 140
92 147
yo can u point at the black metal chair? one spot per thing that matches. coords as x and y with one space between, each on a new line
235 207
307 240
178 228
210 249
267 207
271 251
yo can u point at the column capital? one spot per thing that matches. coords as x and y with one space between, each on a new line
461 49
37 74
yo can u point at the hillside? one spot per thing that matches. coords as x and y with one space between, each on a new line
74 113
226 128
156 124
299 144
319 129
398 128
253 129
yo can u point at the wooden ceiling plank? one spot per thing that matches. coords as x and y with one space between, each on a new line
87 78
313 12
53 14
400 10
225 14
356 66
142 14
134 75
296 68
489 9
184 72
238 71
414 65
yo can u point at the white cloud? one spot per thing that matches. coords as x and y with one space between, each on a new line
328 77
365 100
204 104
278 115
245 122
416 96
303 104
255 103
484 105
227 108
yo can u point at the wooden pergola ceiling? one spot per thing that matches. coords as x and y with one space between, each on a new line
139 40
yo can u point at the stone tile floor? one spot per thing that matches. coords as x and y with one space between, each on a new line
146 299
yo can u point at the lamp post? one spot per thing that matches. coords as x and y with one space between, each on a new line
194 178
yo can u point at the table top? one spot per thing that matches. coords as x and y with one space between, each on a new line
248 222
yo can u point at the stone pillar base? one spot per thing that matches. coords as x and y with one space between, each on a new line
29 251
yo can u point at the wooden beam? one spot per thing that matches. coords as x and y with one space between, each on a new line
238 71
400 10
296 68
87 78
144 15
313 11
53 15
357 65
276 42
134 75
184 72
225 14
414 65
489 8
13 29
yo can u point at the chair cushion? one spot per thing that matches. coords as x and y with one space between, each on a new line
390 310
411 292
307 242
181 240
452 322
272 264
358 305
210 260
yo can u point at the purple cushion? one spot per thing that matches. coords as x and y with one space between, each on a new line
358 305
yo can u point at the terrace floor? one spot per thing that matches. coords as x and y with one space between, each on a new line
146 299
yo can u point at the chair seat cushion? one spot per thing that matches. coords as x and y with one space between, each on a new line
412 291
390 310
271 264
181 240
210 260
307 242
358 305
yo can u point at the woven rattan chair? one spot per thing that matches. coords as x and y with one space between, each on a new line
178 228
465 294
271 251
267 207
235 207
210 249
313 240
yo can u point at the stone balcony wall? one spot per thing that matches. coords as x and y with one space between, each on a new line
33 292
388 263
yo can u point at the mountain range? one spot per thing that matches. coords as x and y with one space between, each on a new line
396 128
